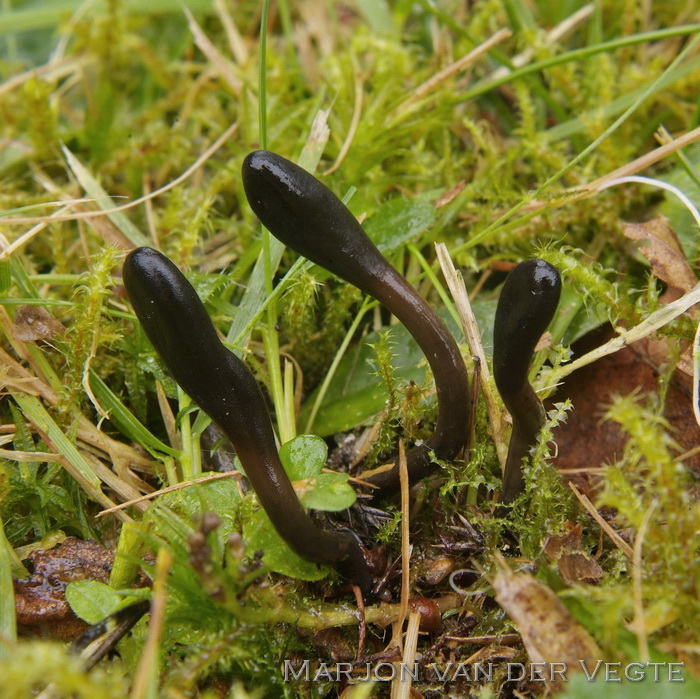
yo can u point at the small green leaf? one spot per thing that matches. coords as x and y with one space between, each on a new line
330 492
92 600
304 456
399 221
190 504
260 535
378 15
355 394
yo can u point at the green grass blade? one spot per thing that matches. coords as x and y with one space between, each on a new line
130 551
577 55
5 276
8 621
262 77
334 365
50 14
125 420
94 189
520 15
650 88
74 463
581 123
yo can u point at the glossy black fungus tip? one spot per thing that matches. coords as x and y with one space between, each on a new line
279 191
527 304
176 322
307 216
263 168
526 307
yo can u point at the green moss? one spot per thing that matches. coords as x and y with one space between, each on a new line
31 665
88 330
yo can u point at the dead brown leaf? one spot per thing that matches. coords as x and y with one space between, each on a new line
660 245
449 195
34 323
575 565
586 442
550 633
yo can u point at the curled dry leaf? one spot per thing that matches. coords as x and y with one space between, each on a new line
575 565
34 323
660 245
40 600
450 195
549 631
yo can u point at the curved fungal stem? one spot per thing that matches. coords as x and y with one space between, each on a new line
306 216
526 307
183 335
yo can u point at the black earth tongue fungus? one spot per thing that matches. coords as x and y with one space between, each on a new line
184 337
526 307
307 217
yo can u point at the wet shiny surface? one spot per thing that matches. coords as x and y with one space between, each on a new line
178 325
307 216
527 304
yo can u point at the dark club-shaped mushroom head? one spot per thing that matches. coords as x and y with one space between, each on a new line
526 306
307 217
183 335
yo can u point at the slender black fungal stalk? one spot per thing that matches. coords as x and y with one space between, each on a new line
526 307
184 337
306 216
